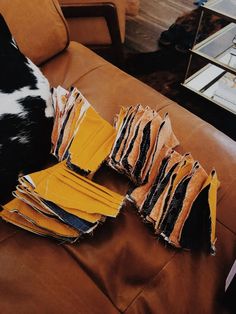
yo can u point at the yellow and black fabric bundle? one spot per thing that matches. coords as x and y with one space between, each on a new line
80 135
171 191
59 201
141 133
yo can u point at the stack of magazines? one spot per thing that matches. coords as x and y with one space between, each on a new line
226 90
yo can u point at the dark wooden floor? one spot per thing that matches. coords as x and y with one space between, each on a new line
155 16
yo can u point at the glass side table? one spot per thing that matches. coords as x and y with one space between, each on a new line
216 80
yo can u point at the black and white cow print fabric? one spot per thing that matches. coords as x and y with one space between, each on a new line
26 114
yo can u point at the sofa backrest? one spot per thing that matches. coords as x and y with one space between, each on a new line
38 27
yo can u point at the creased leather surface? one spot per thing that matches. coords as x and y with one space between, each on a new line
189 283
122 268
39 276
114 259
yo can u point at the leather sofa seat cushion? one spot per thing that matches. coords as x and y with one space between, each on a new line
63 276
34 42
94 30
107 89
154 272
43 277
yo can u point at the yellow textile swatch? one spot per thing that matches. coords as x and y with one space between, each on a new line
127 133
59 96
165 136
79 133
139 194
32 198
47 223
88 143
11 215
29 198
183 169
199 229
141 134
197 179
157 211
71 196
61 168
212 199
72 192
70 127
36 202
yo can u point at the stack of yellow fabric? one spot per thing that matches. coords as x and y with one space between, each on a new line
180 201
59 201
172 192
80 134
141 133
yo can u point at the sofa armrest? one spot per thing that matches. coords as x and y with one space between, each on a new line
106 10
95 22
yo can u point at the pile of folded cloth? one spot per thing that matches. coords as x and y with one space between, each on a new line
60 201
80 135
171 191
141 133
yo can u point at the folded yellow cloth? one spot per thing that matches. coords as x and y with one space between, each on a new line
195 182
36 202
92 142
22 215
73 192
79 134
171 191
199 229
183 165
141 134
139 194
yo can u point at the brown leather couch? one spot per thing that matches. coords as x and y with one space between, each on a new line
122 268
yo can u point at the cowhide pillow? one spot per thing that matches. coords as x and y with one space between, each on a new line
26 114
